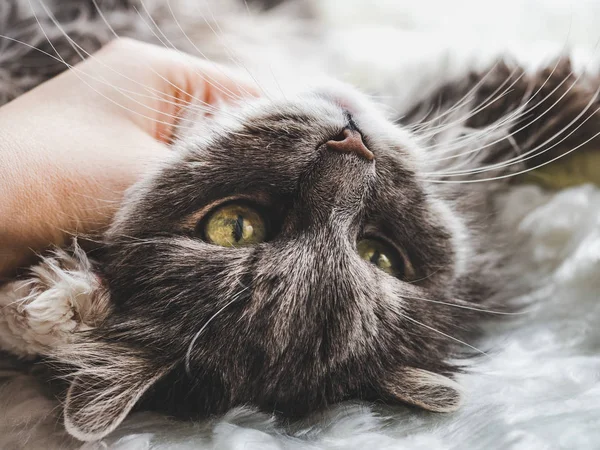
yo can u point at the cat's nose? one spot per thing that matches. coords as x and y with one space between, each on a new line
350 141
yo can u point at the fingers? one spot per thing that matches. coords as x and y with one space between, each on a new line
154 85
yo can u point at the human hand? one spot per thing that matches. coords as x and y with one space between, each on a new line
70 147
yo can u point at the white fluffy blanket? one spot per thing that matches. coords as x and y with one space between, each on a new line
539 386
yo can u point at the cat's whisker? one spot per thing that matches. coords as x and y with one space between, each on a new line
188 353
225 90
415 128
519 112
431 274
166 43
276 81
210 79
189 105
514 116
112 30
529 97
500 177
468 136
521 156
461 141
247 8
194 104
77 72
487 102
510 76
230 53
532 153
465 305
422 124
435 330
34 48
205 77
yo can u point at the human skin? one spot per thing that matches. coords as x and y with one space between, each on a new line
71 147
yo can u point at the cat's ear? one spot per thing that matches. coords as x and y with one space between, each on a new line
424 389
103 392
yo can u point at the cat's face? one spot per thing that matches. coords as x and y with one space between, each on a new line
264 266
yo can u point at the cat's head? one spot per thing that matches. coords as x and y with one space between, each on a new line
289 256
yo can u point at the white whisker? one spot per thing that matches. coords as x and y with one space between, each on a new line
77 72
529 96
487 102
226 47
522 171
188 354
521 156
489 144
194 104
210 80
444 334
112 30
515 115
463 306
532 153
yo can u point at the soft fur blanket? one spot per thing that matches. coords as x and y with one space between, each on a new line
539 385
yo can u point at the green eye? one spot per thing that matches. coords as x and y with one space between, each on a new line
235 225
378 253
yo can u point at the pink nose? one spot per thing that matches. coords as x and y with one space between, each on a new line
350 141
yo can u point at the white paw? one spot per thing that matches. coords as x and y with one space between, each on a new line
61 297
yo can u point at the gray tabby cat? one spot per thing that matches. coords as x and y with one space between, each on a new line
299 250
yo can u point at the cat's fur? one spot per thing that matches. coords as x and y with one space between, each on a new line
299 322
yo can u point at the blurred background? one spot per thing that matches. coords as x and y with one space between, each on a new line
574 21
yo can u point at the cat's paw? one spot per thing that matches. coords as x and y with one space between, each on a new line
61 297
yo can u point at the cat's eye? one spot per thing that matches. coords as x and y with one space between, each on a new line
383 256
235 225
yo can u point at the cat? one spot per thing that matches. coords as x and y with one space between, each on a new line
299 249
